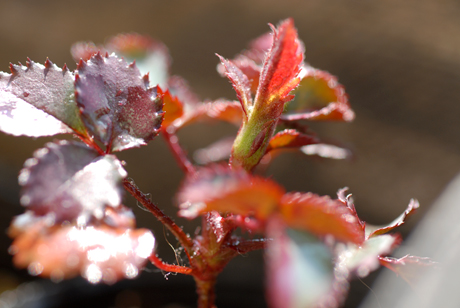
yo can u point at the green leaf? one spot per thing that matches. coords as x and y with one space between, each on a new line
299 268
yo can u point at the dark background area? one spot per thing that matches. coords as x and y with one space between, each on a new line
398 60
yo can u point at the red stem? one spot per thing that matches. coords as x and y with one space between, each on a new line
179 153
169 267
183 238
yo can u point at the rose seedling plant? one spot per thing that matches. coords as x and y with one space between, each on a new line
75 222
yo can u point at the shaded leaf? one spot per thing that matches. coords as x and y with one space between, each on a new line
172 107
409 268
151 56
318 97
299 268
228 111
180 88
31 93
100 254
290 138
321 216
224 190
70 180
327 151
215 152
117 106
361 260
240 83
372 231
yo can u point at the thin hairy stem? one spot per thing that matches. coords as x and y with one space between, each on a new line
179 153
183 238
169 267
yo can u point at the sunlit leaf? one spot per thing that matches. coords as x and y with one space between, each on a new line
327 151
100 254
372 231
280 71
30 93
361 260
151 56
299 268
240 83
318 97
321 216
70 180
224 190
215 152
85 50
409 268
117 105
119 217
173 108
290 138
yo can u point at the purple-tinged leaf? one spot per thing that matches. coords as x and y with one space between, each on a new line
219 188
240 83
85 50
70 180
31 93
180 88
151 56
215 152
348 201
100 254
117 105
372 231
361 260
319 96
299 268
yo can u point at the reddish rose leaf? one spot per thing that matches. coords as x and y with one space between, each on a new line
299 268
363 259
224 190
85 50
215 152
180 88
348 201
250 61
228 111
116 104
409 268
280 71
100 254
290 138
248 67
35 100
173 108
70 180
318 97
241 85
151 56
321 216
378 230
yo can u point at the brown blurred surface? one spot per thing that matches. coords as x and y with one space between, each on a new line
399 61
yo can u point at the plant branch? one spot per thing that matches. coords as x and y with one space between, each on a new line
179 153
169 267
183 238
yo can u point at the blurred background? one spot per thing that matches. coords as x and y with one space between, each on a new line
398 60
